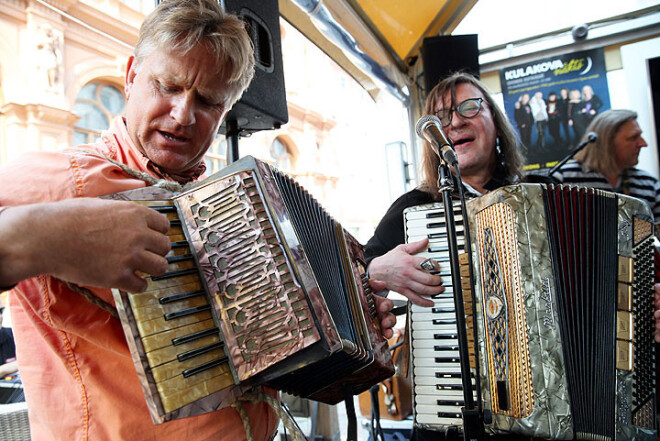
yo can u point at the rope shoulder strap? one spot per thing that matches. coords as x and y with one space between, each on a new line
257 396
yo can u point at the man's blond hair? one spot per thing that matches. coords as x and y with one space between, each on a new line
182 25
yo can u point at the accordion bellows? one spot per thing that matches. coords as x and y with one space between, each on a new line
564 313
263 288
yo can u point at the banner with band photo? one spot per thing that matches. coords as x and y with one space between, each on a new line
551 102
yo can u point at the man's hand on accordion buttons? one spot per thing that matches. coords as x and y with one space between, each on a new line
656 314
93 242
408 274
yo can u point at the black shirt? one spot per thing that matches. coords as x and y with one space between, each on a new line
7 347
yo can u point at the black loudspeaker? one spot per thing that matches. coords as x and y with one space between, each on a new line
263 105
445 55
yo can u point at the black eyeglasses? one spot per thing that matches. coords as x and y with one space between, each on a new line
467 109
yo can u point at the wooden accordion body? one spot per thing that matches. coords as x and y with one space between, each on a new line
263 288
563 285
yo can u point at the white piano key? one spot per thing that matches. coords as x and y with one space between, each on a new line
447 316
431 371
432 400
430 326
430 344
433 232
430 362
433 419
426 335
430 353
437 213
430 409
432 381
433 391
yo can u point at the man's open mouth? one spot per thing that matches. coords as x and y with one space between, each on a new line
463 141
173 137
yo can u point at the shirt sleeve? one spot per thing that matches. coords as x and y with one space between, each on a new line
53 176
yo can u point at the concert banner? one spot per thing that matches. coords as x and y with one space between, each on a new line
551 101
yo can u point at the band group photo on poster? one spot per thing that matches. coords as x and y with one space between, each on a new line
552 101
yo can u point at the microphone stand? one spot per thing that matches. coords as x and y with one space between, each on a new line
473 428
591 138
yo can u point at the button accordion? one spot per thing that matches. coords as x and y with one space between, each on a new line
562 316
263 288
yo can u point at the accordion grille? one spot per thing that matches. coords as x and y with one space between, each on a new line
507 347
265 316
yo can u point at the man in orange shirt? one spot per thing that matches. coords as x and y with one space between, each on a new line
191 64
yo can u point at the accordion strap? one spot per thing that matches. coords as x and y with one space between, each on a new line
256 396
91 298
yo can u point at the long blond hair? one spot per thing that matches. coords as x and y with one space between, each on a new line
600 155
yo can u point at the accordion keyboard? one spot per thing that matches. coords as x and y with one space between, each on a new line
181 342
438 390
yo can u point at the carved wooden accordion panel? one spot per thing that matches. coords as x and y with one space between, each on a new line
263 288
564 313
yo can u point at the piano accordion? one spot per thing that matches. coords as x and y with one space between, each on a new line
562 313
263 288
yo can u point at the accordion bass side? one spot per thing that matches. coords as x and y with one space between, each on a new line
564 313
263 288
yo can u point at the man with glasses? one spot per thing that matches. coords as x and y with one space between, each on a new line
488 158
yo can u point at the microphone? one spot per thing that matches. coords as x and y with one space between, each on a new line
429 128
591 137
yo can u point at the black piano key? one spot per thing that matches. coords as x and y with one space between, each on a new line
459 403
439 309
192 337
449 415
164 208
449 386
437 250
445 336
447 359
181 296
203 367
187 311
444 321
179 244
199 351
447 375
435 214
177 273
445 348
179 258
443 295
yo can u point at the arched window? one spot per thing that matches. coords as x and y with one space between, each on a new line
283 154
97 104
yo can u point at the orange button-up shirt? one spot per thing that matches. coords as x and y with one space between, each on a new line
79 379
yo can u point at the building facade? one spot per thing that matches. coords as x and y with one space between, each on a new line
62 69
